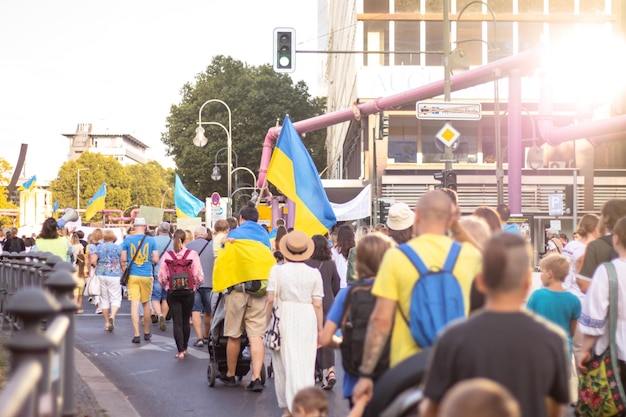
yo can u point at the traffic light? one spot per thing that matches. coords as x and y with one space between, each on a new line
383 211
284 50
439 176
450 180
384 126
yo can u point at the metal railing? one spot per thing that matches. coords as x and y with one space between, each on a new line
37 307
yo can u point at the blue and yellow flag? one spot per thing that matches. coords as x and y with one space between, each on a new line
55 208
96 203
186 204
28 184
247 258
303 186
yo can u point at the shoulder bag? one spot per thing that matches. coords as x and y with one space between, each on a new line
271 339
126 273
600 390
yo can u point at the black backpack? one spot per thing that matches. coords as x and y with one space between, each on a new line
16 245
358 308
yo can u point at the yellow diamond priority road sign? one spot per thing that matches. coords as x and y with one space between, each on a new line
448 135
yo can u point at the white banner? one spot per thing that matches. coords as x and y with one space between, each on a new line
359 207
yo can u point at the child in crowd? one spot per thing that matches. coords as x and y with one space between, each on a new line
479 397
554 302
310 402
221 232
369 255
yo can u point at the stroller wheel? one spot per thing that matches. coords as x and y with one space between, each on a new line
270 370
263 375
211 374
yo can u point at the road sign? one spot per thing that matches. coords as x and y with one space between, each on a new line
448 135
555 204
441 110
215 199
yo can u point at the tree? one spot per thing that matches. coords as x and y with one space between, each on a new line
100 169
152 185
5 169
258 98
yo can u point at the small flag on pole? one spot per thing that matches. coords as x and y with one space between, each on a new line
187 205
28 184
96 203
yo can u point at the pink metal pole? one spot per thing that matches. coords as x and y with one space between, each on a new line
527 60
599 130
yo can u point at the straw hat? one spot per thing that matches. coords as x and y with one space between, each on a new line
296 246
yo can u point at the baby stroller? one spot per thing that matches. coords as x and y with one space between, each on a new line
217 349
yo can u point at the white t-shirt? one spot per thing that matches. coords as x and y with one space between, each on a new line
342 266
594 319
573 251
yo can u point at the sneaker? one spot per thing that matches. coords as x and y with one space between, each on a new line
229 381
98 311
198 343
161 323
111 324
255 386
154 318
136 339
147 336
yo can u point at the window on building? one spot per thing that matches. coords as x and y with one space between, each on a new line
504 33
592 6
469 39
375 6
434 42
530 34
407 6
407 38
434 6
376 39
561 6
95 143
402 140
530 6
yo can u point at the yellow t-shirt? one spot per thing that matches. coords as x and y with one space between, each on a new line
397 276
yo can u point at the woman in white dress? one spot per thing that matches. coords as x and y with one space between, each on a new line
299 291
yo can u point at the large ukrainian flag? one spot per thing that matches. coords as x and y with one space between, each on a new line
187 205
247 258
28 184
96 203
293 172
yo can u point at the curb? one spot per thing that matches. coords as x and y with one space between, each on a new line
109 398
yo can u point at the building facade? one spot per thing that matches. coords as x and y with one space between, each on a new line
125 148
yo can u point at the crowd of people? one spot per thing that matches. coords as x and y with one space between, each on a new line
510 351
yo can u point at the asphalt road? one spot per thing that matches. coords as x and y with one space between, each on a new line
159 385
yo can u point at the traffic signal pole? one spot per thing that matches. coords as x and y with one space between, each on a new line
447 152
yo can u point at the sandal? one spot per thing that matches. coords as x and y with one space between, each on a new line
330 381
180 355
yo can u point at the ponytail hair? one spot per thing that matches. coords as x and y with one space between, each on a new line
178 239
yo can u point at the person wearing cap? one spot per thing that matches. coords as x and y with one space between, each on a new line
434 214
158 297
140 280
400 222
300 293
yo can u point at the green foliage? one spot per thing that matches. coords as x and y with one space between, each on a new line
258 98
5 169
133 185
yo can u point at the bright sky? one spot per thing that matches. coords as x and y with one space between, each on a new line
120 64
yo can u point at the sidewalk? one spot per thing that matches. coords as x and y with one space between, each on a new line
94 395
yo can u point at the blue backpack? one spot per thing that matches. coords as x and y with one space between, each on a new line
436 298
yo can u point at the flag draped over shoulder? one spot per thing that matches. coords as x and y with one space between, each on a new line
247 258
186 204
96 203
314 214
28 184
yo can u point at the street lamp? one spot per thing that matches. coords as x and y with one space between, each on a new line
201 140
78 187
216 175
254 197
459 54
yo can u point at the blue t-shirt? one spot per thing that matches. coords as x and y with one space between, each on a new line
142 266
163 244
108 259
335 314
560 307
511 228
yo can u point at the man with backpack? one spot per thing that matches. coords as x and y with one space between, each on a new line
400 312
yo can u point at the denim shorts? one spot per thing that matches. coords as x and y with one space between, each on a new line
202 300
157 291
